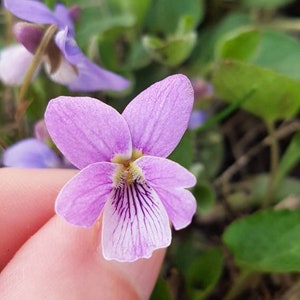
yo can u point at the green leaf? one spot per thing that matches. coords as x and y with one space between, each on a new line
161 290
137 9
205 195
267 48
290 158
204 51
239 44
271 4
172 51
138 56
267 241
204 273
95 21
183 154
275 96
164 15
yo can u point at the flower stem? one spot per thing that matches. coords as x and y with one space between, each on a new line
274 162
239 285
36 60
23 104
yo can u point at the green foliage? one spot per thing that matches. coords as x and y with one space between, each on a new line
267 48
290 158
205 196
275 96
183 153
164 16
251 192
171 52
204 273
266 241
271 4
161 290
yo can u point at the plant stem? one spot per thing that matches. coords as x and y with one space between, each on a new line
274 162
22 102
239 285
36 60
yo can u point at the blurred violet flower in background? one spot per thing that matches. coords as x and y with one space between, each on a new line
30 153
124 169
203 90
198 117
34 152
63 60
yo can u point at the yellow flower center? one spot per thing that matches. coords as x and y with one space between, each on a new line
127 172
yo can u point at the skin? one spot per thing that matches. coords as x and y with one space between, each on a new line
43 257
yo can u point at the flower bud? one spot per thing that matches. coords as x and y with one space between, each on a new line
29 35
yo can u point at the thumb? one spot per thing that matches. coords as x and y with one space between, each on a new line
64 262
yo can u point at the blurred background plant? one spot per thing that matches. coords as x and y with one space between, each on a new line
243 142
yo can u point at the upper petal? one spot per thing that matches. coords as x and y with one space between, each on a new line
159 116
30 153
81 200
87 130
32 11
10 57
135 223
164 172
180 205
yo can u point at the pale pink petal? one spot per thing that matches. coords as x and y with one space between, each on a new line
180 205
135 223
159 116
14 62
81 200
164 172
87 130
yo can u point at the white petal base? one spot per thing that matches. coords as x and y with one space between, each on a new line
135 223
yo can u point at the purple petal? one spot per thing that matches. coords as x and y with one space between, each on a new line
68 46
87 130
93 78
197 118
158 117
30 153
135 223
81 200
62 14
32 11
89 77
10 57
164 172
180 205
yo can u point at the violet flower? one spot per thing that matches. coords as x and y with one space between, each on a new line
30 153
34 152
198 117
124 170
64 61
